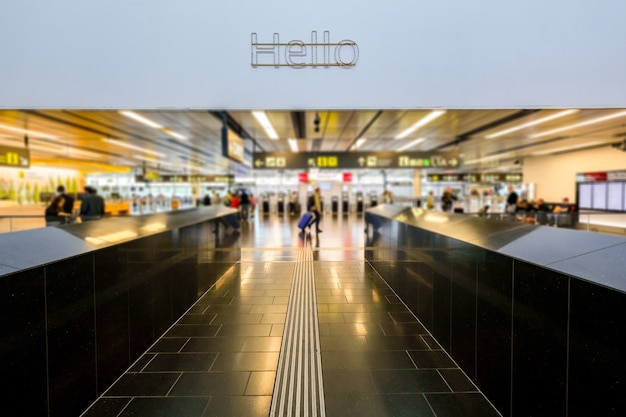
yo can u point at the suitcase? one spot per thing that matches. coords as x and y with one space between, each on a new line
306 220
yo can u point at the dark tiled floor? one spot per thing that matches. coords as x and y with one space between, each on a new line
220 359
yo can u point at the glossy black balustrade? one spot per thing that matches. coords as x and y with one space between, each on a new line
533 314
79 303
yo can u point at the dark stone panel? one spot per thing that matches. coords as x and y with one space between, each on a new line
597 370
463 306
112 332
540 312
494 318
70 295
23 345
140 304
442 275
410 296
184 284
162 288
425 299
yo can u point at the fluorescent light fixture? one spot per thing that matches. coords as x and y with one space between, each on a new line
175 134
293 145
422 122
27 132
410 144
141 119
567 148
489 158
580 124
359 142
265 122
532 123
129 146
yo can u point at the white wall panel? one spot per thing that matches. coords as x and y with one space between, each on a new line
412 54
555 176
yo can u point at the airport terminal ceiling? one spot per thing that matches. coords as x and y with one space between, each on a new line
189 141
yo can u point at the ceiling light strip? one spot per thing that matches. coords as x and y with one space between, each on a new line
580 124
265 122
129 146
532 123
26 131
422 122
141 119
566 148
411 144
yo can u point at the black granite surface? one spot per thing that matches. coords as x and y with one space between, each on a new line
29 248
532 314
77 312
595 257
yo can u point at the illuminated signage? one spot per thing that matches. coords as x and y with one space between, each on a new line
475 178
299 54
14 157
345 160
185 178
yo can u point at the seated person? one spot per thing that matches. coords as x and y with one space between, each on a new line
564 207
54 212
541 211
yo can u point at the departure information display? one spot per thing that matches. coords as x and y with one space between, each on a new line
348 160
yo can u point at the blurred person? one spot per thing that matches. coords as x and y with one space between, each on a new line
92 205
387 198
68 206
511 201
55 213
430 201
245 204
315 205
447 199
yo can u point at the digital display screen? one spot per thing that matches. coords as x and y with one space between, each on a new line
599 196
584 196
616 196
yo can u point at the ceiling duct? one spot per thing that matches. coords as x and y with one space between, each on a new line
298 122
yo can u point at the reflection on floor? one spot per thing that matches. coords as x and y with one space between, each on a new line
221 357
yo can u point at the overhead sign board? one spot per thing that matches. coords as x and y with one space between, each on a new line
476 178
355 160
184 178
14 157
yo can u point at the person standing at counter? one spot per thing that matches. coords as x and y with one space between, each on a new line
92 205
511 201
68 205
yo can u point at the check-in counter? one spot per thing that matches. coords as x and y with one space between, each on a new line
532 314
80 302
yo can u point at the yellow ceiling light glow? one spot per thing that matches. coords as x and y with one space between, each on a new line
144 120
422 122
27 132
